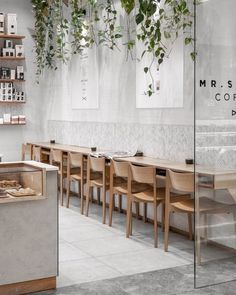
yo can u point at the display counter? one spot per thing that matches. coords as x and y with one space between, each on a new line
28 227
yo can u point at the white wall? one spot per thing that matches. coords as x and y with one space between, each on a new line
11 137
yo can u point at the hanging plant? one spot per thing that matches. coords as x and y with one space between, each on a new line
128 6
159 27
62 30
111 33
39 9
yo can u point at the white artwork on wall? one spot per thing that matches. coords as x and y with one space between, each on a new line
167 81
84 84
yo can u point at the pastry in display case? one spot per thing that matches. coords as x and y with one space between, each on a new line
21 181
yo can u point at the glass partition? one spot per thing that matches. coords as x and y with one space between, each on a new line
215 142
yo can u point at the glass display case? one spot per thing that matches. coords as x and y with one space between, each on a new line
21 182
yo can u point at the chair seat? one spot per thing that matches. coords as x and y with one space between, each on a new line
121 187
206 205
147 196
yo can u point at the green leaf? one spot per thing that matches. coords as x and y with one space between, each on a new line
139 18
145 70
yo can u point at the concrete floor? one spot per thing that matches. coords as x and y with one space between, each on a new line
98 259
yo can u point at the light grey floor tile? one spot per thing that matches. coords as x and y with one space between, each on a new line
142 261
110 245
68 252
86 270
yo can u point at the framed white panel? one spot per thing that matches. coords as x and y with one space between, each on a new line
168 81
84 82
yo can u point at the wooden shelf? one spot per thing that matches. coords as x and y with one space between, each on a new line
11 58
11 81
10 124
11 37
13 102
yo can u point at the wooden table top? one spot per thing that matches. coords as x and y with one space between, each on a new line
63 147
145 161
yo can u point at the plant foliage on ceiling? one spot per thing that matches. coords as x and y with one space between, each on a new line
158 24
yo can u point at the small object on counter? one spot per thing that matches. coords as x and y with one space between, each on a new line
139 154
9 184
189 161
93 149
52 141
22 192
3 193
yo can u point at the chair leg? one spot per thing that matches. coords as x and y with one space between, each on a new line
145 212
190 226
87 200
205 228
131 219
198 239
104 205
82 197
163 217
79 189
120 203
61 190
68 193
99 195
167 226
137 209
128 218
111 207
155 226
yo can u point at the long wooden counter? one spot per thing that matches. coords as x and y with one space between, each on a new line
219 178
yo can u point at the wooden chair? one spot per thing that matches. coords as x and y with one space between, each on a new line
151 195
97 176
26 152
184 182
56 158
36 154
119 172
76 172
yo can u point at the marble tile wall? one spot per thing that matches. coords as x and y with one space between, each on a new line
173 142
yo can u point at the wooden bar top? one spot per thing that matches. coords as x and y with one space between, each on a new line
63 147
145 161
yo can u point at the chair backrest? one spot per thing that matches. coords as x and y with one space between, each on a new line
56 156
121 169
143 174
76 159
26 151
97 164
183 182
36 153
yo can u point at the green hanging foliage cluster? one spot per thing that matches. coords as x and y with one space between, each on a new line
159 23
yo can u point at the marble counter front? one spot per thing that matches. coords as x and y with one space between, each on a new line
29 240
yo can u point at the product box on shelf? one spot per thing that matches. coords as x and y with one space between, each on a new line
8 52
20 50
2 25
5 73
11 23
20 73
7 118
8 44
15 120
13 74
22 119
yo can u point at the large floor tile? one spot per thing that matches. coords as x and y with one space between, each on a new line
68 252
86 270
142 261
110 245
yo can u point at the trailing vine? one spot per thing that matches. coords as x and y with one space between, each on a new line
109 35
157 24
39 7
160 25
